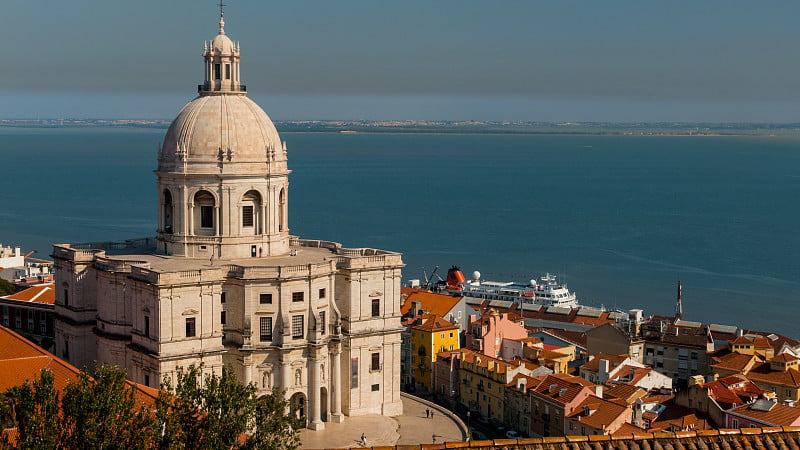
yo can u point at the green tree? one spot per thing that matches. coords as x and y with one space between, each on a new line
33 408
6 288
218 412
104 413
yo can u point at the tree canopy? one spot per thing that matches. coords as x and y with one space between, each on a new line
104 412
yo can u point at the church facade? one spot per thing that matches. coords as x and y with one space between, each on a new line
224 283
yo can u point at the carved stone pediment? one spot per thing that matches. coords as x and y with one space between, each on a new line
190 312
376 294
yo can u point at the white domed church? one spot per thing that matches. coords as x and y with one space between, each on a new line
225 283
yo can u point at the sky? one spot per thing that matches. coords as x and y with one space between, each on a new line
617 61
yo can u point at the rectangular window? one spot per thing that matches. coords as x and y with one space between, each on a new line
298 296
5 315
227 71
376 387
265 299
147 380
322 323
43 322
222 317
322 293
191 331
297 327
222 298
247 216
217 72
735 423
266 329
207 216
17 318
66 297
376 307
65 353
30 321
376 361
146 326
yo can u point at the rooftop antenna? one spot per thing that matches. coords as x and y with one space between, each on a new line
679 306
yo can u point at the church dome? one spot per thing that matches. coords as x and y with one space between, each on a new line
222 44
214 128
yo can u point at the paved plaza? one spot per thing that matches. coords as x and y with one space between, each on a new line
410 428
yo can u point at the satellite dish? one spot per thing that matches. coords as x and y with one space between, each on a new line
476 275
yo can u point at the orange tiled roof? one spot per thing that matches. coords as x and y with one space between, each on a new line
613 361
600 412
778 415
627 392
734 361
763 373
433 323
785 357
566 387
431 303
757 438
21 360
36 294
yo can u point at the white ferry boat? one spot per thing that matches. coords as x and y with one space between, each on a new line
542 292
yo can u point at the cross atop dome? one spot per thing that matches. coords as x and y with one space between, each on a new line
221 17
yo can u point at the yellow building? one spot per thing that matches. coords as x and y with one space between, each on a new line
484 381
430 334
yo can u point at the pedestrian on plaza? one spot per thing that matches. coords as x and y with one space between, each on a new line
427 413
363 440
434 438
431 414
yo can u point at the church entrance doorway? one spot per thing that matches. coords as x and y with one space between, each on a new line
297 406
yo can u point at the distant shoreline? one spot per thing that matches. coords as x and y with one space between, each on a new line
454 127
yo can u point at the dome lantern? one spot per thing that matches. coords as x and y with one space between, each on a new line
221 57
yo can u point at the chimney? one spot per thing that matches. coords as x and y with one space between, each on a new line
415 308
523 385
739 332
598 391
695 380
602 371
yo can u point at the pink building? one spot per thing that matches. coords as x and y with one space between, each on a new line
445 375
486 335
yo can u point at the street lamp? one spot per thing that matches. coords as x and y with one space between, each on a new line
469 431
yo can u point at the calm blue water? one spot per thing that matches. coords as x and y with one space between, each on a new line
621 219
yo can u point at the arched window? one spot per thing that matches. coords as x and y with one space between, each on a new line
251 213
204 213
282 210
168 211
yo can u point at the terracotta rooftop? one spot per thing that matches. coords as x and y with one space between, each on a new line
431 303
736 362
777 415
21 361
613 361
600 412
763 373
561 387
734 390
37 294
625 392
785 357
784 438
432 323
573 337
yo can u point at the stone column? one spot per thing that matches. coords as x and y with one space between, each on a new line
190 222
314 399
218 221
336 385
